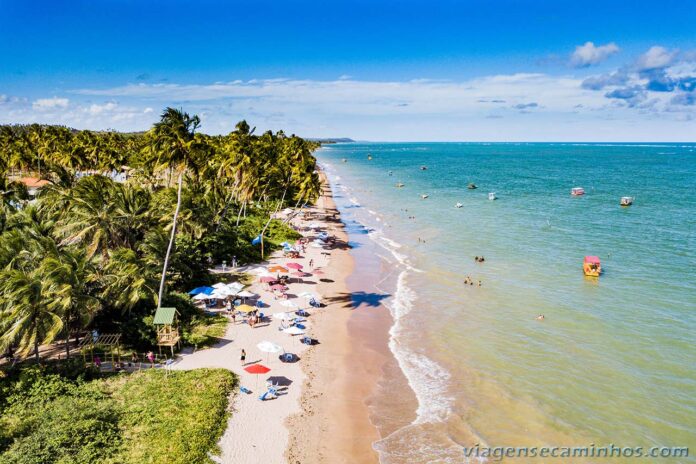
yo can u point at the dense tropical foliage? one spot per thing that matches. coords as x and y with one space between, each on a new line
88 251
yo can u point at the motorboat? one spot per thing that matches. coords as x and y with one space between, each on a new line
369 156
491 196
344 160
626 201
424 168
399 184
577 191
591 266
424 196
471 186
458 205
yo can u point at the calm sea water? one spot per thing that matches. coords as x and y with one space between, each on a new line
614 361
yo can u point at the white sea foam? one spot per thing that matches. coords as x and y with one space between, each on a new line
427 379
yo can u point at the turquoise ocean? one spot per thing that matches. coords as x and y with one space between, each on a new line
613 361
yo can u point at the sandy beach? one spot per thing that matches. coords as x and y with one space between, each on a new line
321 413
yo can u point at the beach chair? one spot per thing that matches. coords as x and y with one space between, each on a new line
268 395
244 390
306 340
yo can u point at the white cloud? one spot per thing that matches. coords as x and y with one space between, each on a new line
656 57
50 103
98 109
589 54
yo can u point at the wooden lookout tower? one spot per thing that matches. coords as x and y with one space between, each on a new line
167 332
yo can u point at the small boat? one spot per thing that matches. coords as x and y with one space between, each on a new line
491 196
369 156
626 201
458 205
577 191
399 184
424 168
471 186
390 173
424 196
591 266
344 160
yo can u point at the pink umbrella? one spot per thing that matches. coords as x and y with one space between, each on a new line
299 274
267 279
295 266
279 287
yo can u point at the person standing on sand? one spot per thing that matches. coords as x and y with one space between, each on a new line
242 357
311 264
151 358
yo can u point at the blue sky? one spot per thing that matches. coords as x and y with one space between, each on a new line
377 70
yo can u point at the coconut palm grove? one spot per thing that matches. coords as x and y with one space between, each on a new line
86 227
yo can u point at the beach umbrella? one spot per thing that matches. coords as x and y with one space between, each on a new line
277 268
245 308
279 287
197 290
246 294
267 279
257 369
309 295
293 331
296 266
288 304
269 347
317 245
219 285
201 297
284 316
314 225
236 286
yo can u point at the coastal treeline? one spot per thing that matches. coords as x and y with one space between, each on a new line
86 220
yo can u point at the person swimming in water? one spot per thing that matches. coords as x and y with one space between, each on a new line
540 317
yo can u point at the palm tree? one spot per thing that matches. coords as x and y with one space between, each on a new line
72 281
27 316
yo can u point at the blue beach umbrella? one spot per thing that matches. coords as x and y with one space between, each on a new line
206 290
257 240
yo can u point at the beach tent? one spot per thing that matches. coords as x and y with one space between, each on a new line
206 290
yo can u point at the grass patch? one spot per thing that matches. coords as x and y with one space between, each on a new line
145 417
206 330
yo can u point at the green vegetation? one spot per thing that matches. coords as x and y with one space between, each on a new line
146 417
88 252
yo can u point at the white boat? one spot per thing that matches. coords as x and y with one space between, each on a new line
424 196
458 205
491 196
577 191
626 201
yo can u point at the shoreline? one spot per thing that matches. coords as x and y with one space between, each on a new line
342 375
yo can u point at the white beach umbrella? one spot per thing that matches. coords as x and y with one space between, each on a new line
288 304
236 286
269 347
246 294
218 294
219 285
293 331
310 295
201 297
317 245
284 316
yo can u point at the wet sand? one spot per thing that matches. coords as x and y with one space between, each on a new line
342 373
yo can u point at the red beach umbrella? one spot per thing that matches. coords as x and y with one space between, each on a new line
257 369
295 266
